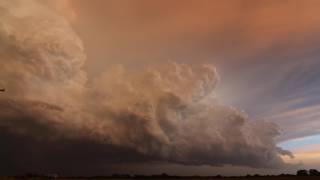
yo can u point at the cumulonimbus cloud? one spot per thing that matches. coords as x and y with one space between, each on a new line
164 113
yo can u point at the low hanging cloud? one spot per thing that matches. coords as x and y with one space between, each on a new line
164 113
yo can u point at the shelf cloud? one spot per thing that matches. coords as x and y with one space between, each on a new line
164 112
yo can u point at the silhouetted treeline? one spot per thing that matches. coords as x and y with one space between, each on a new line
311 172
302 172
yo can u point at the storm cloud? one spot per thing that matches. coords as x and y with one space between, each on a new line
164 112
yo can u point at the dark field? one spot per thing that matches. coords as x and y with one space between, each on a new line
224 178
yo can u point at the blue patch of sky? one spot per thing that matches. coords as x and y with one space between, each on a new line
300 143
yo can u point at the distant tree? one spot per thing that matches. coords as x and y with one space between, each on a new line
218 176
314 172
164 175
302 172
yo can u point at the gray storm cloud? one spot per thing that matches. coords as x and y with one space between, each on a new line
164 113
